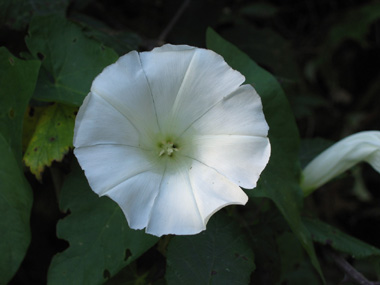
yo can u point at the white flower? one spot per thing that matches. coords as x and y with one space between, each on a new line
170 135
363 146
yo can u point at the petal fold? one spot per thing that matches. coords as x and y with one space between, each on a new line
241 113
136 196
175 210
106 166
213 191
124 86
239 158
95 114
195 80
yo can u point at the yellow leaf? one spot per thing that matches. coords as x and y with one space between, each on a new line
51 139
31 117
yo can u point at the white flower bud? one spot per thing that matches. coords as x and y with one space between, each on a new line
363 146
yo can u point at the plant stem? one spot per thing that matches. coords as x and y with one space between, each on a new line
351 274
169 27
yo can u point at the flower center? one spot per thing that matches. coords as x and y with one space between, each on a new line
167 148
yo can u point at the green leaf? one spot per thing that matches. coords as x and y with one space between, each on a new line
219 255
329 235
121 41
5 6
132 275
355 24
259 10
19 12
295 268
263 235
31 118
310 148
280 179
52 138
70 60
15 205
17 81
269 49
101 243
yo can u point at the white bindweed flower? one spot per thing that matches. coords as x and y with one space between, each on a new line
363 146
170 135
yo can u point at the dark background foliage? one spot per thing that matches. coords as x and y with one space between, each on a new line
324 53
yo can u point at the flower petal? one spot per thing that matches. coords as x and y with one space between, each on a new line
106 166
170 47
195 80
169 135
175 209
136 196
213 191
239 158
124 86
363 146
241 113
95 114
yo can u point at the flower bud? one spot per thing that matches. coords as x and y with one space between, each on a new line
363 146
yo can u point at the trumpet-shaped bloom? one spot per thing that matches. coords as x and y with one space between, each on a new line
363 146
170 135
